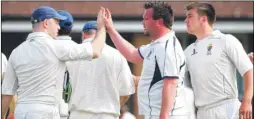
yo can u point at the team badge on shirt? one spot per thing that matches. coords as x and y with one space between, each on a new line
209 48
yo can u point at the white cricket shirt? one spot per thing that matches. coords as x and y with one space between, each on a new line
36 68
212 64
163 58
98 84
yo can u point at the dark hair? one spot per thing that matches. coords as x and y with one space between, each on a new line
161 10
204 9
64 31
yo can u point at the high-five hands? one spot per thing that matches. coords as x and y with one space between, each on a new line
101 18
108 21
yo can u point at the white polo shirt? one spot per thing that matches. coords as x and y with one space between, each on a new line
163 58
36 68
98 84
212 64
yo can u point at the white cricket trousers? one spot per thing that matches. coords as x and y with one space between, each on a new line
89 115
227 109
36 111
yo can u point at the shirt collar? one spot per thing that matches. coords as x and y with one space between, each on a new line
63 38
216 34
87 40
164 38
38 34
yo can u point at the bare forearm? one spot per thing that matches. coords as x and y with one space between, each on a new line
6 100
126 48
123 100
168 100
248 85
98 42
136 80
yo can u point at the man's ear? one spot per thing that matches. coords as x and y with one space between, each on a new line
83 35
204 18
160 21
45 23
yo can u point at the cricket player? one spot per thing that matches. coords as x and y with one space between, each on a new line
160 88
212 62
36 67
98 84
64 34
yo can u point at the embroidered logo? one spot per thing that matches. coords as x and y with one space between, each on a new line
209 48
194 52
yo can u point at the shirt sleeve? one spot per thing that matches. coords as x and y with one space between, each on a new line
125 78
10 81
68 50
237 54
142 50
169 61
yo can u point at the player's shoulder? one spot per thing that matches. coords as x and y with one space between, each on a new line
223 37
20 47
113 53
229 38
3 56
111 50
162 46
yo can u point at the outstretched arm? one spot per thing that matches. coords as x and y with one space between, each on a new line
100 38
127 49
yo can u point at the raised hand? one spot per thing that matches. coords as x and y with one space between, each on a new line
108 21
101 18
